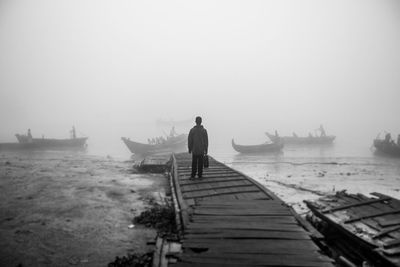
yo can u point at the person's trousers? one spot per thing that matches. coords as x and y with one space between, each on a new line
197 165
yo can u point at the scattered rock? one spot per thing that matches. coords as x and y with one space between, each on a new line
135 260
73 260
160 217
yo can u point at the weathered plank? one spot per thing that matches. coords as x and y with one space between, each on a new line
246 226
220 191
211 181
204 186
245 218
264 261
362 203
251 244
245 234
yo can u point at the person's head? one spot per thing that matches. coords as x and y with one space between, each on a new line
198 120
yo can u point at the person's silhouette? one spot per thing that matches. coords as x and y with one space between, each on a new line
198 146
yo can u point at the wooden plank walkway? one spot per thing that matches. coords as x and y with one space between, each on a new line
228 219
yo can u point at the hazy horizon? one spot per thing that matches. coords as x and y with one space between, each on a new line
113 68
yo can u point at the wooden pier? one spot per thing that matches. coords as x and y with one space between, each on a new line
228 219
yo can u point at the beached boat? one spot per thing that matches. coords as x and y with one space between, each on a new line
362 230
300 140
44 144
387 148
171 144
263 148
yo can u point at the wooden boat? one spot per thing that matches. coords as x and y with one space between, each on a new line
300 140
387 148
360 228
172 144
263 148
25 143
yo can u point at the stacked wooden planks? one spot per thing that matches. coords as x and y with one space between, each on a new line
228 219
155 163
370 227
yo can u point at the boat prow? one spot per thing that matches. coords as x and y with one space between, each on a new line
262 148
173 144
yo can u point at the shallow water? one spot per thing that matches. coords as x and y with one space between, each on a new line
305 173
71 208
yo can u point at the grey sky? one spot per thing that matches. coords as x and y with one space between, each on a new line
258 65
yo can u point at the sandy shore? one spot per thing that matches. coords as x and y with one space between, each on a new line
70 209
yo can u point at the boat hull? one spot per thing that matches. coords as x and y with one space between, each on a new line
318 140
385 148
47 144
176 144
263 148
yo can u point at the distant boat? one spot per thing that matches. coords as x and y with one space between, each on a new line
27 143
171 144
263 148
298 140
387 148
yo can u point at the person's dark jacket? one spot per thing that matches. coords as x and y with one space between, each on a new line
198 140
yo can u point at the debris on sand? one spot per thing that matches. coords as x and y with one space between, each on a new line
160 217
133 260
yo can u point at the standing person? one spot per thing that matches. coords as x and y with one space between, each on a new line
322 130
29 136
198 146
388 137
73 133
172 133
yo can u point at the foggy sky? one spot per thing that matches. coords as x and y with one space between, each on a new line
245 66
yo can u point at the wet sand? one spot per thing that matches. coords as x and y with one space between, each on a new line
71 209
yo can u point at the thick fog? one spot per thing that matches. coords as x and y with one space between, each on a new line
113 68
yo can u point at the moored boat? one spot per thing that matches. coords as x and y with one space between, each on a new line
387 148
301 140
46 144
171 144
26 142
262 148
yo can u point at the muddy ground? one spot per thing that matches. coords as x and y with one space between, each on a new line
71 209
